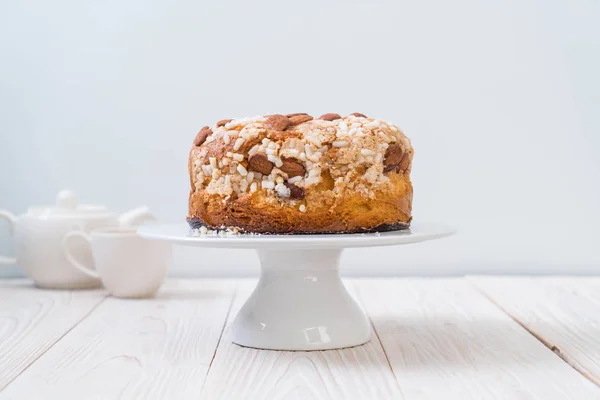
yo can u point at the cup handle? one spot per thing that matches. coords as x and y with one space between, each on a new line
136 217
12 220
69 256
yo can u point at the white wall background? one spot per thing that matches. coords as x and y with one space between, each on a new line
500 98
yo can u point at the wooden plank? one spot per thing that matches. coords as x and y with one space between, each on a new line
243 373
444 340
157 348
33 319
563 313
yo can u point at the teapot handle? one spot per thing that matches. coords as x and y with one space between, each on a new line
12 220
69 256
136 217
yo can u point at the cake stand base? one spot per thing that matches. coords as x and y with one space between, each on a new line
300 303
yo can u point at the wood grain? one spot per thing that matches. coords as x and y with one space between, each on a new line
32 320
563 313
444 340
243 373
157 348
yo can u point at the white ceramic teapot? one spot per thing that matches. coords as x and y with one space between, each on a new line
39 235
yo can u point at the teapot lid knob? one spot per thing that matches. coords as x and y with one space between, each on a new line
66 199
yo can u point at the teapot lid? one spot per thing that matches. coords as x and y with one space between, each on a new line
67 205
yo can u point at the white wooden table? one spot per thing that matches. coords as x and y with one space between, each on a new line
473 338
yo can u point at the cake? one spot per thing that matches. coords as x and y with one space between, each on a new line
295 174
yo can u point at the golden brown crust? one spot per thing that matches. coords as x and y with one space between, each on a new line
327 213
342 196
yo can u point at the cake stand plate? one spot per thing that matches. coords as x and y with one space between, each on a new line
300 302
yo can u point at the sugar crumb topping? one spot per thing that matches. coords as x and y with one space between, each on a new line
356 152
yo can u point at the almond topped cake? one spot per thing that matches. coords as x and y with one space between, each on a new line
298 174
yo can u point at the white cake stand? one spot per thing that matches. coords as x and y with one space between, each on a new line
300 302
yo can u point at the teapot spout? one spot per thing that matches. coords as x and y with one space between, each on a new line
136 217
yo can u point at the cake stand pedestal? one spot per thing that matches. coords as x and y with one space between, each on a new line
300 302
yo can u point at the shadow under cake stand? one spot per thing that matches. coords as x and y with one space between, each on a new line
300 302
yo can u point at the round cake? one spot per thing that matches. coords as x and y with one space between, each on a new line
286 174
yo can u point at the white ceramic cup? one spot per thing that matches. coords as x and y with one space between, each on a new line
127 265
